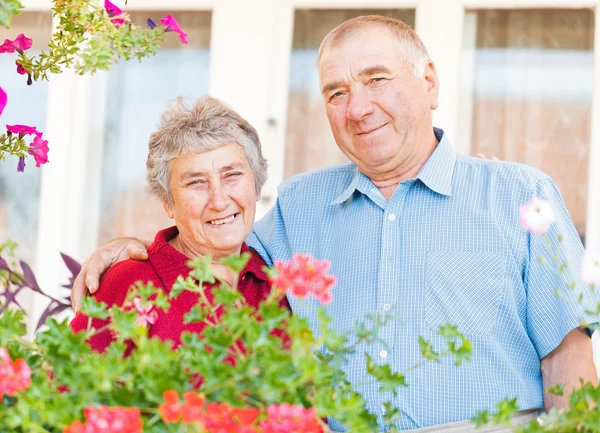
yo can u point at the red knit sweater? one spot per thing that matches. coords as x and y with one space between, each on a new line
162 268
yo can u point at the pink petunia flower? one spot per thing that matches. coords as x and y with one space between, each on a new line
23 130
303 276
20 44
38 148
536 216
590 268
3 100
20 69
115 13
171 25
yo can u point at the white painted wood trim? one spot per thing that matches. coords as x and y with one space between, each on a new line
593 212
439 23
352 4
528 4
277 105
466 89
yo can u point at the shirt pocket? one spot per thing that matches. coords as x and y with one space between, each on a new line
464 288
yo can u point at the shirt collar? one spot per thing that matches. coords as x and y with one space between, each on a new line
436 173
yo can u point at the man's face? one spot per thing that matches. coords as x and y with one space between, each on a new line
378 110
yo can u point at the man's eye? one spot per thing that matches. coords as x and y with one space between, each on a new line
233 174
335 95
377 79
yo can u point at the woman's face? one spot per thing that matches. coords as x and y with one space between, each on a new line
213 199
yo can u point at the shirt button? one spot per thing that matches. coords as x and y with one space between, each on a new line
387 307
391 217
383 354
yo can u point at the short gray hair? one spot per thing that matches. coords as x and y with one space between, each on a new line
206 125
413 50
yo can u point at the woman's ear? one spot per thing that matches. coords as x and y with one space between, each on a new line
168 209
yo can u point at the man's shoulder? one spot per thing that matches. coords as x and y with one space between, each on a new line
501 172
325 180
314 178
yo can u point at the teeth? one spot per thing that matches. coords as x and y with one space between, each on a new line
223 221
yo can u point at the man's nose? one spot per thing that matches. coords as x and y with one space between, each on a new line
359 105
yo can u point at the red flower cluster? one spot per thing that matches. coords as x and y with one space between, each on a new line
290 419
108 419
305 275
147 315
214 417
222 418
14 376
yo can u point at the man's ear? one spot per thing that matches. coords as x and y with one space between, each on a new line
433 84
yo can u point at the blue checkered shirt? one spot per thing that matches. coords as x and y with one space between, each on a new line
446 248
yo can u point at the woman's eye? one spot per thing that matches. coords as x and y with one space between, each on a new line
377 79
194 182
233 175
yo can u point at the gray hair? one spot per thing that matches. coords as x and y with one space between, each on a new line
206 125
413 50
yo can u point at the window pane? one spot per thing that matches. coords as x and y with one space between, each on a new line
532 81
20 192
134 95
309 142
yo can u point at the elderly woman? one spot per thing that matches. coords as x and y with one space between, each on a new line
205 165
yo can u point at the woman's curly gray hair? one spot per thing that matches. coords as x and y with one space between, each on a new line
206 125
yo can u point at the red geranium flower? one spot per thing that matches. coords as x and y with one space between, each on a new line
108 419
14 376
290 419
303 276
170 410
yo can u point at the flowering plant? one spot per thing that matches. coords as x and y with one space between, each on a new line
88 37
251 370
583 412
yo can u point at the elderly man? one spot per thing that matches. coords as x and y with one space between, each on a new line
411 226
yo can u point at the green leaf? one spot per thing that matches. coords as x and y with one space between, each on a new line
92 308
392 413
196 315
427 350
481 418
236 262
558 389
202 269
388 380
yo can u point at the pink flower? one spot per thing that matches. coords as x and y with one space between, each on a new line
173 26
14 376
108 419
23 130
290 419
20 44
304 275
590 268
20 69
536 216
39 149
3 100
113 11
146 315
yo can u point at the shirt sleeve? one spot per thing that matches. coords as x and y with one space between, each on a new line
557 298
269 237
